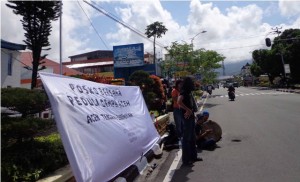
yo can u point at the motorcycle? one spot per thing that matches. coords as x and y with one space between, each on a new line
209 92
231 95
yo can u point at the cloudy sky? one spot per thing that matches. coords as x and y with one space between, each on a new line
233 28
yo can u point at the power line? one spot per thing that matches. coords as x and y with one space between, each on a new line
122 23
239 47
92 25
233 39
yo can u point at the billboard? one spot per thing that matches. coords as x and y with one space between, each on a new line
128 55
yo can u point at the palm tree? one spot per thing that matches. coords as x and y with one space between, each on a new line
155 29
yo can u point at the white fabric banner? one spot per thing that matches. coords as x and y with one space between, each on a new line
104 128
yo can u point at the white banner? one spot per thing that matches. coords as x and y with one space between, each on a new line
104 128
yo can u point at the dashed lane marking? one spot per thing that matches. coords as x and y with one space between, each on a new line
252 94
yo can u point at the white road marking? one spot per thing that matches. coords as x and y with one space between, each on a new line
257 93
176 161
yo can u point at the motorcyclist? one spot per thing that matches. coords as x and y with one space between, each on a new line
209 89
231 89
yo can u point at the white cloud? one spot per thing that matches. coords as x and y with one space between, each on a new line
11 25
138 15
73 20
233 33
289 8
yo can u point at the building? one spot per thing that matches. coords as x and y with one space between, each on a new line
10 64
48 65
246 75
92 62
100 62
246 70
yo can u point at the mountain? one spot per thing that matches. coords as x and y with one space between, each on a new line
233 68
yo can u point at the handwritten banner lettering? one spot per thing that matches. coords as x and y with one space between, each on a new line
104 128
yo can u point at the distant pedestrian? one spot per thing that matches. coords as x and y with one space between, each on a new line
186 104
176 111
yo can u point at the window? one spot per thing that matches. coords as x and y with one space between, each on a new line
9 68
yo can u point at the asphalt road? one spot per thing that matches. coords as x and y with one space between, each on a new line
261 141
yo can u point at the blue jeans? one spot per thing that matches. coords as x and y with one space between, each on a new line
189 151
178 121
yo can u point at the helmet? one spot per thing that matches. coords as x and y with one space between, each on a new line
205 113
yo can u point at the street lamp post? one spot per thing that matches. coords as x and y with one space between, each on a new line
192 39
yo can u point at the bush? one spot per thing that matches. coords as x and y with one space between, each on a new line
24 101
22 129
151 87
32 160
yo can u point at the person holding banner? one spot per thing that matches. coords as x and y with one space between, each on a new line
186 104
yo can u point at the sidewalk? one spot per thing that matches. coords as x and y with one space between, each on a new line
297 91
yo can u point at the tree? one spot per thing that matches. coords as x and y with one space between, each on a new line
288 44
154 30
206 62
184 58
255 69
180 56
24 101
37 17
268 62
286 47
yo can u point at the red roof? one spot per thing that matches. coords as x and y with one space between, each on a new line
26 58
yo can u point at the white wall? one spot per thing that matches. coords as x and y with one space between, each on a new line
14 79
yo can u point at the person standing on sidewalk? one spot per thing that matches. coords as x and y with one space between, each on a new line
176 110
186 104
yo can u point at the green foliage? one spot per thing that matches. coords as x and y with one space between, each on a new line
25 157
24 101
151 87
288 43
155 29
184 58
198 94
255 69
207 61
270 61
22 129
36 21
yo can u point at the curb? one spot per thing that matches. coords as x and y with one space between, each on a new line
138 167
129 174
288 90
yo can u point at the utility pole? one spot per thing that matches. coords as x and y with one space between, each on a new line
223 67
276 30
60 40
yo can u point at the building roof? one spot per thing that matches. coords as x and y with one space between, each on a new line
12 46
89 61
26 58
87 53
103 63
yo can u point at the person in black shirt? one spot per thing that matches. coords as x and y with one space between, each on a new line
186 104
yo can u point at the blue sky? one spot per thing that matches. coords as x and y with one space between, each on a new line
234 28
